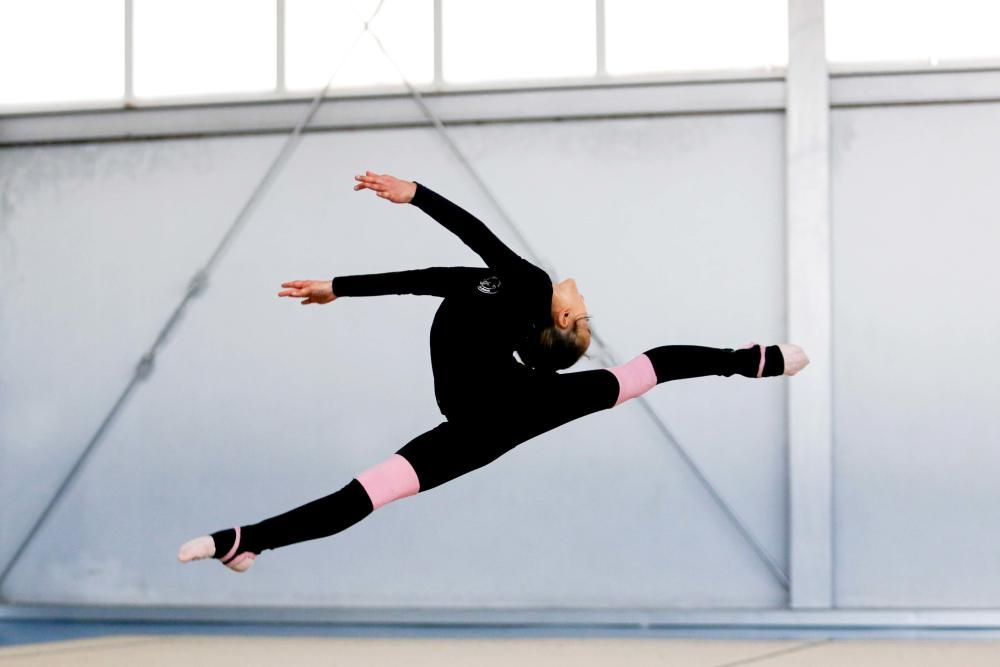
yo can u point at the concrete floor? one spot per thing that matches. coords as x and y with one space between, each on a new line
221 651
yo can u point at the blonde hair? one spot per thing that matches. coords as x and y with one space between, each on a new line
552 349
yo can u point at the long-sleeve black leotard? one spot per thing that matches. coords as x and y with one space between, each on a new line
485 313
492 402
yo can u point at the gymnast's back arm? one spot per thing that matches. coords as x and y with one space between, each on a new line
467 227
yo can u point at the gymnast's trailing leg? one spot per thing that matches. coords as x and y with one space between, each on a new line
237 547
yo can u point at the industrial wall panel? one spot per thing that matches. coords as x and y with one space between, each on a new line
671 226
916 394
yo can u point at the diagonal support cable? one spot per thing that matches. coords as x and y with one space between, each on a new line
198 283
740 524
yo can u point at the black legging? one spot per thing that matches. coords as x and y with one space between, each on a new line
466 442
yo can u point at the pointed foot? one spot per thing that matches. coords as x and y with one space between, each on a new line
197 549
795 358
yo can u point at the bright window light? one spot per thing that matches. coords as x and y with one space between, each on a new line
693 35
199 47
319 34
61 51
491 40
912 30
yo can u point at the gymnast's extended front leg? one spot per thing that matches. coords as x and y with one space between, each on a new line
237 548
677 362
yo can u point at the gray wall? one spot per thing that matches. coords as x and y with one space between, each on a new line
916 393
673 227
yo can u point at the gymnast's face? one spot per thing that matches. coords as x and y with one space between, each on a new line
569 308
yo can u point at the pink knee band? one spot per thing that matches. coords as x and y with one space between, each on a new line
760 368
390 480
232 550
634 378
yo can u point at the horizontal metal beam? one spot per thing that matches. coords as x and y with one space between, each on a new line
353 112
847 622
394 110
906 88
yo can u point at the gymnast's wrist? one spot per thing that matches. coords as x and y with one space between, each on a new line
415 199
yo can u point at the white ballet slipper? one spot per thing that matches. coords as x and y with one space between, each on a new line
795 358
204 547
197 549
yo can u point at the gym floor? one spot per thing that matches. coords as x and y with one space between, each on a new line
112 644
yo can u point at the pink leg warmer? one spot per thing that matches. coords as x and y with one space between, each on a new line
635 377
390 480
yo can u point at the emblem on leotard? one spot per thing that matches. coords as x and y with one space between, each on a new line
489 285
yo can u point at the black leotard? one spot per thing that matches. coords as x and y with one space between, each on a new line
485 313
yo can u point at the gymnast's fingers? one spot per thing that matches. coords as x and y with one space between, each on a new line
370 183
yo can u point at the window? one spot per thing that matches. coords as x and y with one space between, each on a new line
491 40
61 50
193 47
911 30
319 33
689 35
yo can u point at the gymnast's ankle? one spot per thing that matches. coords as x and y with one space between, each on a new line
224 545
234 548
751 364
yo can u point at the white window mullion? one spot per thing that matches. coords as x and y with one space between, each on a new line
279 50
129 95
438 39
602 67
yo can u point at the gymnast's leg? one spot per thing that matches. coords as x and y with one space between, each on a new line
471 441
564 397
389 480
676 362
457 447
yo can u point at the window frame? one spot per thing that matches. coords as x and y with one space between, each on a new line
280 93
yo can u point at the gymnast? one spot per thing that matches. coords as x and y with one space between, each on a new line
491 401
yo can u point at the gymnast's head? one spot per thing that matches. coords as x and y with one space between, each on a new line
560 344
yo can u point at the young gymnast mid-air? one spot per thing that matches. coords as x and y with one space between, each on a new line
491 401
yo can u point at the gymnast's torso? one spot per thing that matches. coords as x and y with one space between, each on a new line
476 330
485 314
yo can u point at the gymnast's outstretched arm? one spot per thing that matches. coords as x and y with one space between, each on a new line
434 281
440 281
467 227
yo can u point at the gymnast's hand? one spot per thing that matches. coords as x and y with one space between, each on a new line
388 187
314 291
